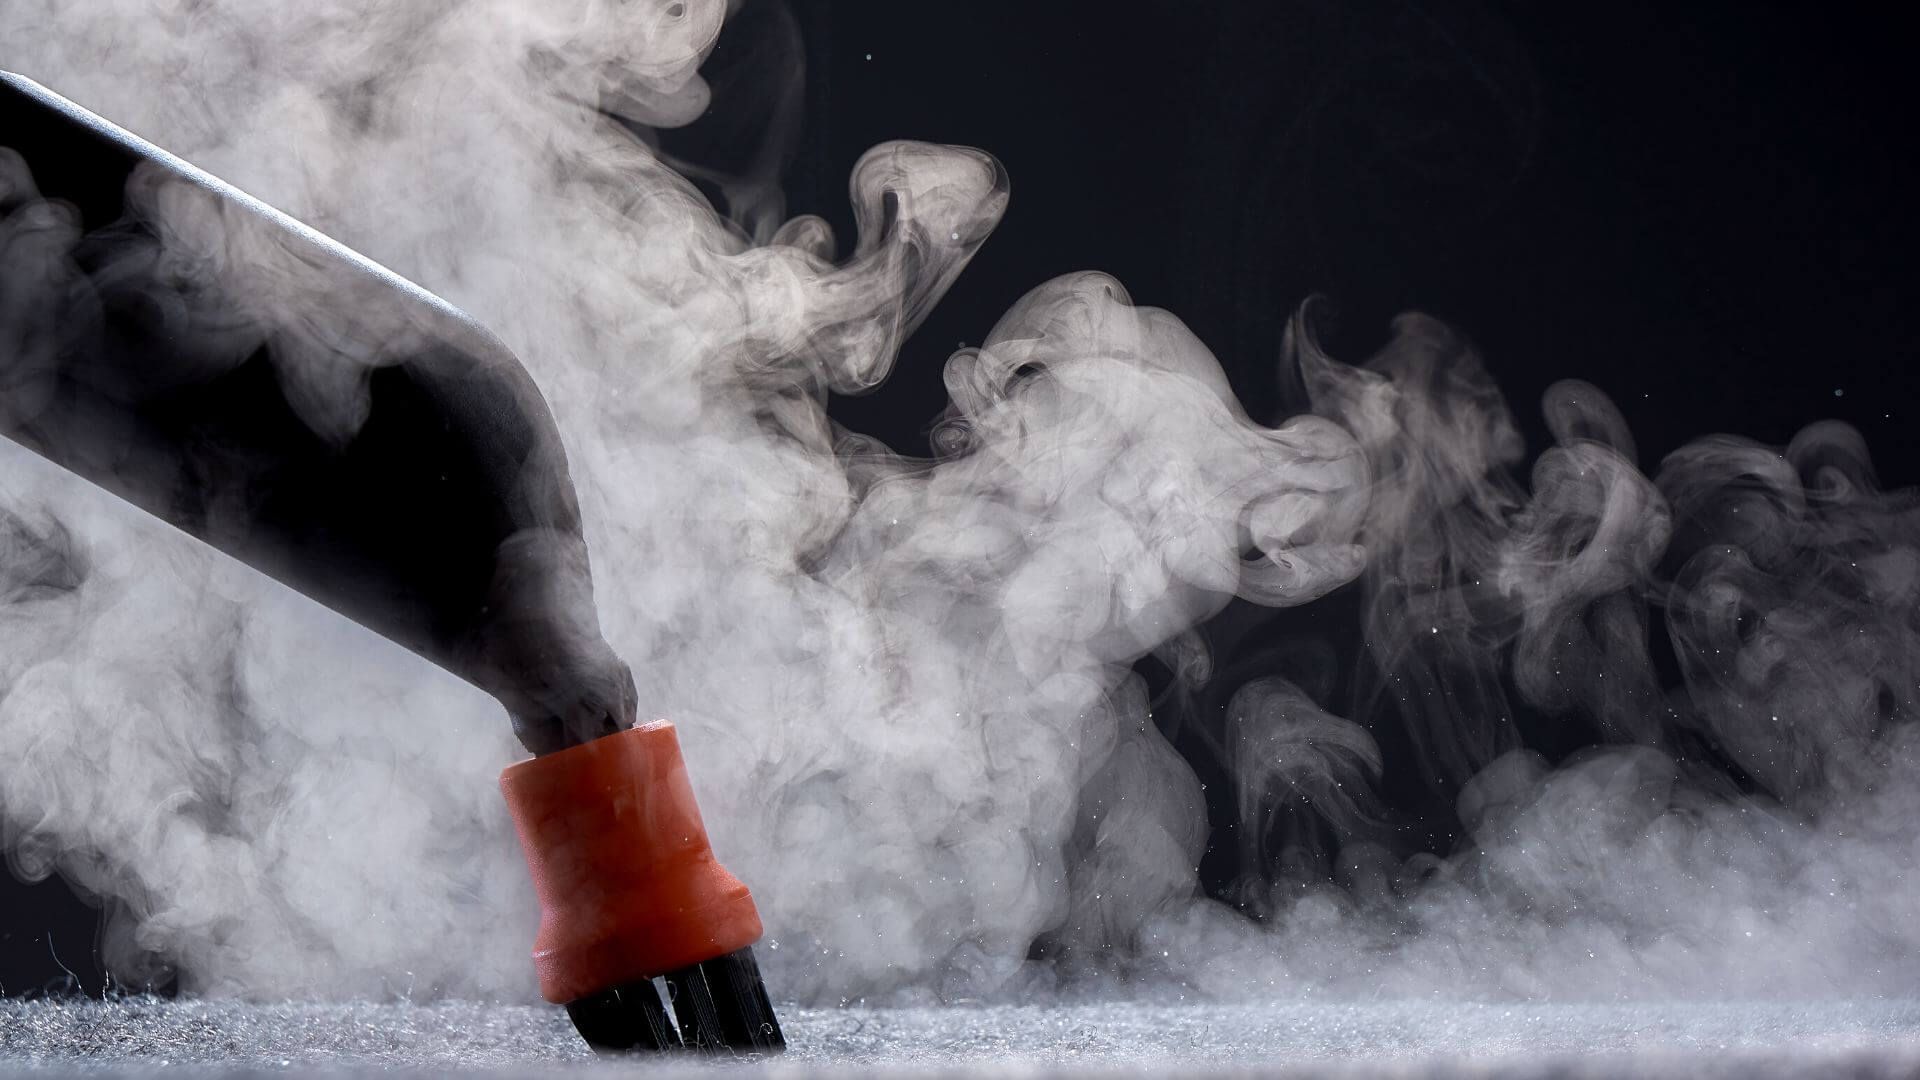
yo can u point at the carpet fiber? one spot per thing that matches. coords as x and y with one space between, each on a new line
1386 1039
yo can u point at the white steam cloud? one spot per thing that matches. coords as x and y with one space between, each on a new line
905 686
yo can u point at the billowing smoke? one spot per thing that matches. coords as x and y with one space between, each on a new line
907 687
1738 825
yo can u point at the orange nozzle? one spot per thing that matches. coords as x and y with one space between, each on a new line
628 884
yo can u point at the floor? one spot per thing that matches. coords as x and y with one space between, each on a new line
1344 1039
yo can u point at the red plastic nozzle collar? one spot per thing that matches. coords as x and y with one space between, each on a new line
628 885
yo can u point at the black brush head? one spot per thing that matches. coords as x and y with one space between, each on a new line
719 1005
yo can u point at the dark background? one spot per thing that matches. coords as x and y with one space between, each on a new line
1704 208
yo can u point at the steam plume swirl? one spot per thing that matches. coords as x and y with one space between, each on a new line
907 686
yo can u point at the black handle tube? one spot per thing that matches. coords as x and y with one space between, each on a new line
278 396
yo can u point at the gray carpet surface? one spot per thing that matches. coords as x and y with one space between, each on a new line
138 1036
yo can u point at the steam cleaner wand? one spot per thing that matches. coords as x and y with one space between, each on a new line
291 403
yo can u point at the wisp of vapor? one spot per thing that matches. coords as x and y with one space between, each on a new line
906 687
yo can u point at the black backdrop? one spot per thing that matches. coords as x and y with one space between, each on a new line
1703 208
